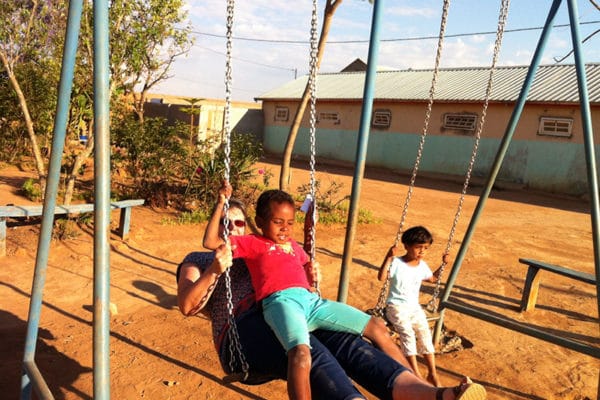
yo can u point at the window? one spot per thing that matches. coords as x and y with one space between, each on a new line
329 116
381 119
281 113
555 126
463 122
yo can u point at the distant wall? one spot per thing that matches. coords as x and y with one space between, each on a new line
553 164
209 123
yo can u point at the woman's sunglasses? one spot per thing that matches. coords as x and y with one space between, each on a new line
240 223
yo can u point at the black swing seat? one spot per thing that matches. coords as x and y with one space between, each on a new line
236 377
247 378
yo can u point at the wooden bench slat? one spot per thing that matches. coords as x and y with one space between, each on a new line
571 273
532 280
37 210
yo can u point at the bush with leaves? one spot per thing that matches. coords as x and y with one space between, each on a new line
153 155
332 208
209 169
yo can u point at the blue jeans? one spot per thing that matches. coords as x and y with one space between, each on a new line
335 356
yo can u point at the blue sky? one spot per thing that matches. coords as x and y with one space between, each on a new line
267 60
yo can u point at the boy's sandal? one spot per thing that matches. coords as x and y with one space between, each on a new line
467 390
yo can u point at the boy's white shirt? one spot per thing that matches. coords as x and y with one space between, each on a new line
405 282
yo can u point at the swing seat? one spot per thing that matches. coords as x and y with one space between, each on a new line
431 315
235 377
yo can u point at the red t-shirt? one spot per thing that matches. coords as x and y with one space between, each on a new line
273 267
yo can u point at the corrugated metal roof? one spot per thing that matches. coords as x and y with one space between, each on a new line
553 83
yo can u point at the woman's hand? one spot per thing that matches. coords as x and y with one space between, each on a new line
223 258
225 191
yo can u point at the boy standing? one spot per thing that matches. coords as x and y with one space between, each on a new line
403 311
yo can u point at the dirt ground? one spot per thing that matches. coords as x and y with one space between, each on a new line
156 353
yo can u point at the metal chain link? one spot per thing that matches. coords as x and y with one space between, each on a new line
312 81
235 347
382 295
433 304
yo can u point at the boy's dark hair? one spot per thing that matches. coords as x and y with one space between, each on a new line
263 205
417 235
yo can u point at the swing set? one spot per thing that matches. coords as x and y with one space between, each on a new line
32 377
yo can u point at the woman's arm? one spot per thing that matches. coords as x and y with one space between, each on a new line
195 288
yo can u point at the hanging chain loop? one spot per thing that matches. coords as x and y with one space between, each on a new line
433 303
235 347
383 294
312 81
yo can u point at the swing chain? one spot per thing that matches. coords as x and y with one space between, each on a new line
235 346
433 304
313 64
379 308
434 78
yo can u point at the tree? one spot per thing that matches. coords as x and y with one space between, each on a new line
192 111
29 47
146 39
144 42
284 178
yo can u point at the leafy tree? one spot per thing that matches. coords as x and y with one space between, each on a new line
27 50
146 38
330 7
153 155
193 110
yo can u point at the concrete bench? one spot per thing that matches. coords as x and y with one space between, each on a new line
35 211
532 281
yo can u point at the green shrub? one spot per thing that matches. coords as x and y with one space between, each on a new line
332 208
32 189
206 177
65 229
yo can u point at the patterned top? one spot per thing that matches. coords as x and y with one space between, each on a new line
242 294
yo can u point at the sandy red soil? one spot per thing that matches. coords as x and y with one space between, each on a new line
156 353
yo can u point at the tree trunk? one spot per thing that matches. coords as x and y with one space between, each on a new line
37 154
285 177
79 160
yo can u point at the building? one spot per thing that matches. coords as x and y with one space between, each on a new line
207 121
546 151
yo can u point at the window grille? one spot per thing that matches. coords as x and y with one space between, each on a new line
329 116
550 126
381 119
281 113
465 122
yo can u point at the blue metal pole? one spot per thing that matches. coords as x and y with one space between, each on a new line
101 202
508 134
362 144
588 140
41 262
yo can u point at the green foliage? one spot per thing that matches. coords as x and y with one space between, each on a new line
332 209
209 169
153 155
65 229
32 189
189 217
